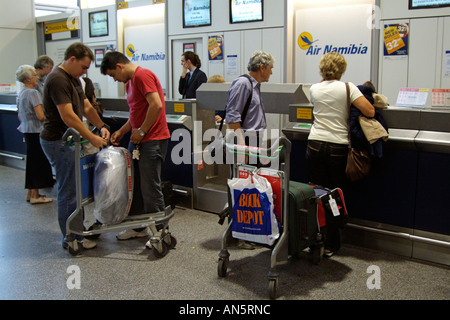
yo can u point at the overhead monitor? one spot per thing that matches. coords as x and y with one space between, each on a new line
426 4
98 24
196 13
246 11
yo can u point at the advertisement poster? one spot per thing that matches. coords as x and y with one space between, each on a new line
149 51
215 48
322 30
396 39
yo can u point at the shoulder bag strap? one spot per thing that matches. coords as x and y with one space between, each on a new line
347 89
249 100
247 104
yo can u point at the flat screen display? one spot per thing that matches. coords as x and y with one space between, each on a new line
424 4
196 13
98 24
246 11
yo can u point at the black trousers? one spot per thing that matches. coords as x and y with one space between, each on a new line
326 164
38 172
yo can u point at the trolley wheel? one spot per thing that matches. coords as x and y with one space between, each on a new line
317 254
172 242
74 250
222 267
273 285
160 251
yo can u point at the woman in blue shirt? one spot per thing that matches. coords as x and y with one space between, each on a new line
38 173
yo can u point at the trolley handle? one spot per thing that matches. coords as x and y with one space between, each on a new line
72 135
275 150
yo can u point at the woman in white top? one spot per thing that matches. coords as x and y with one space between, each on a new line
327 148
38 173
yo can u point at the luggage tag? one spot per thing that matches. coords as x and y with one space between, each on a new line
334 207
136 152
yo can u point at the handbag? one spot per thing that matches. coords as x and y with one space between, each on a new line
358 160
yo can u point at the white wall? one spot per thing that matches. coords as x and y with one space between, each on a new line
18 43
220 21
429 38
238 40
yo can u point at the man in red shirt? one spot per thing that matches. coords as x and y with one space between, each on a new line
149 133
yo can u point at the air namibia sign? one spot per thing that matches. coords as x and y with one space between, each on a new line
313 47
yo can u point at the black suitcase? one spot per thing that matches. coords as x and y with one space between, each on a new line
303 221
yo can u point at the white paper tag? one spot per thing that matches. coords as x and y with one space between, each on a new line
334 207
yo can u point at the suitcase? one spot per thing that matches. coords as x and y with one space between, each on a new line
113 185
331 206
303 221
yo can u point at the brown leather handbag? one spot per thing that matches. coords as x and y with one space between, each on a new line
358 160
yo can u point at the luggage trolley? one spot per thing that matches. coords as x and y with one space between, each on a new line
161 239
280 149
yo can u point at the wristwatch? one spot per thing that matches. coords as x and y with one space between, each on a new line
142 133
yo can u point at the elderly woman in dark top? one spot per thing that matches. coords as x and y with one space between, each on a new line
38 173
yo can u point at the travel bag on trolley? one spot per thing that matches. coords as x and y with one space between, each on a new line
107 178
253 218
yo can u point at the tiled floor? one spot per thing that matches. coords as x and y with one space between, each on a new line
33 264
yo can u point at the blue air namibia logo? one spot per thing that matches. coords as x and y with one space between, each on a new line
133 54
306 43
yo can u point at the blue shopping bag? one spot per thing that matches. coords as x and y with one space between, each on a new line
87 164
254 218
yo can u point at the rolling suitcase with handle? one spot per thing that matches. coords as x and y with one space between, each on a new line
304 221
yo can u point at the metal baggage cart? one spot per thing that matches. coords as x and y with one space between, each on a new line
279 150
161 239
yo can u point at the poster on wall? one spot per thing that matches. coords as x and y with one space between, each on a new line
189 47
149 51
322 30
447 64
99 54
396 39
215 48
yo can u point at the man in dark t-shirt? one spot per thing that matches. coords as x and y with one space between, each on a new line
64 106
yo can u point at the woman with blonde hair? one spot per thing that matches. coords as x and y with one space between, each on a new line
328 142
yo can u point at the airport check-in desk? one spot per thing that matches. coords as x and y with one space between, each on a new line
12 146
403 205
210 182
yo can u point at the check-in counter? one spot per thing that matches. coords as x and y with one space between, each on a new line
401 207
12 146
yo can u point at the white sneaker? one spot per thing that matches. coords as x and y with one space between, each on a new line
131 234
88 244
